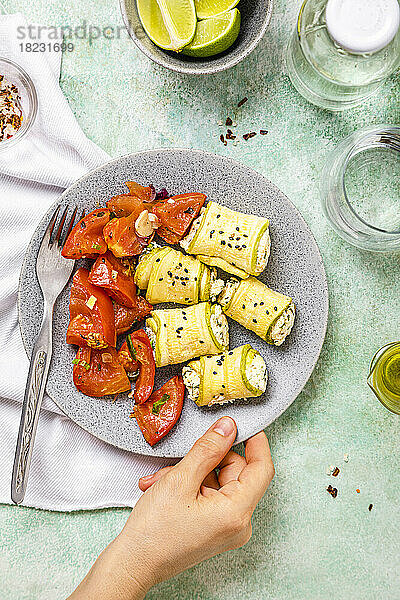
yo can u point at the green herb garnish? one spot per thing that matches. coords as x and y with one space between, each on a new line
96 247
159 403
81 363
131 348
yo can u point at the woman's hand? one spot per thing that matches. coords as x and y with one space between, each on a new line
187 514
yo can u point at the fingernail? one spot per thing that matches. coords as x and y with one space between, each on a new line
224 426
147 477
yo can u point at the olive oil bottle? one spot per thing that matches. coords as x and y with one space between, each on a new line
384 376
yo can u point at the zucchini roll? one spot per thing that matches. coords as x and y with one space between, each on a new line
180 334
146 262
234 241
239 373
258 308
171 276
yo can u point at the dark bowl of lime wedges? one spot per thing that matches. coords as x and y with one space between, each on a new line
196 36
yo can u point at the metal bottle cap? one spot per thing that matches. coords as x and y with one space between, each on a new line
362 26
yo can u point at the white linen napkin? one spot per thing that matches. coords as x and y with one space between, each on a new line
71 469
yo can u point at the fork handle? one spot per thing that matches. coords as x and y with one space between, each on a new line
34 391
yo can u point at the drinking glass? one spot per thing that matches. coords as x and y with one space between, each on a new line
360 188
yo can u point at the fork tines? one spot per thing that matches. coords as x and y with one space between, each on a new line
59 237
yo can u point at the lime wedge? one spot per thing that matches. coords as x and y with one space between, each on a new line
214 35
211 8
170 24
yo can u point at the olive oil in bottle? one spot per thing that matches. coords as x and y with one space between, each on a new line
384 376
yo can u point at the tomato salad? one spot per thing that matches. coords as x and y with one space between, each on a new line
105 303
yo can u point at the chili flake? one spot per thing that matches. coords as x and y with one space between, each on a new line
11 115
247 136
332 491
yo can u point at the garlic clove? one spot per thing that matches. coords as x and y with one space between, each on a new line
155 221
143 225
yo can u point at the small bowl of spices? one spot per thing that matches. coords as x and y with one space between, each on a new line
18 103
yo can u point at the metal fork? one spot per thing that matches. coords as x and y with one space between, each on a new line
53 272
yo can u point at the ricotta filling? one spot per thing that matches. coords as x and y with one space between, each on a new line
191 379
152 337
228 292
219 325
216 286
219 399
283 325
256 373
263 251
195 226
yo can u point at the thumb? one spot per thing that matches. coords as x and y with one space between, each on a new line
208 451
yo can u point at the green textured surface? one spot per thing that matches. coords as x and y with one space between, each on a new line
306 545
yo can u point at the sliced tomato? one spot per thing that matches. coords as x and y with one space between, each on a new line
108 273
178 212
126 317
125 204
145 193
127 264
158 416
99 373
86 239
168 236
126 360
139 198
122 239
91 314
140 348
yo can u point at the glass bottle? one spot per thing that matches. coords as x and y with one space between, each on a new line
342 50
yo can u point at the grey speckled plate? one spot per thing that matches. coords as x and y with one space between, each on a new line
295 268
